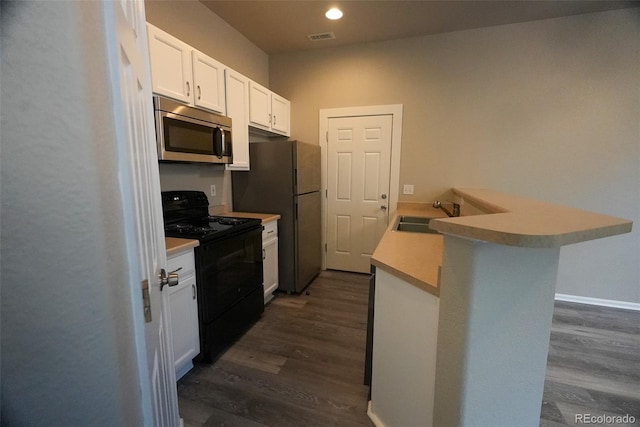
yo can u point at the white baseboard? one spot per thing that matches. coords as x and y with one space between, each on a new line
599 301
373 417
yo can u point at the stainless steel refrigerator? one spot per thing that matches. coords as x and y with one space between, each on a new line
285 179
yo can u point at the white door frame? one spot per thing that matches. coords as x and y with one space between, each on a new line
140 186
395 110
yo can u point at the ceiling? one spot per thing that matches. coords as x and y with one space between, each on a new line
283 26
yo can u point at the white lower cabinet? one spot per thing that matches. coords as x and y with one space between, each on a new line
183 312
270 259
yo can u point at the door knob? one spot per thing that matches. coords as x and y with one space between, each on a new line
383 207
384 196
168 279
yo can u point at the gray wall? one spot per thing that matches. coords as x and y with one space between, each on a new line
68 353
546 109
199 177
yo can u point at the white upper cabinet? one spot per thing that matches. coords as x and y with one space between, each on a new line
260 106
180 72
208 78
268 110
237 87
280 113
170 65
183 73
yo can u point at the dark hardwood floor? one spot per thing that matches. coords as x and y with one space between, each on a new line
593 365
302 364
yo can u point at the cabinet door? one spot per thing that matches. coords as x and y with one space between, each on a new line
259 106
270 267
183 306
170 65
208 81
237 91
280 114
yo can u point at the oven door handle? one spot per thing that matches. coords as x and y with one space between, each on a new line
168 279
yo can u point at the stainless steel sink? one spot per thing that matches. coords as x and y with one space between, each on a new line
414 224
415 219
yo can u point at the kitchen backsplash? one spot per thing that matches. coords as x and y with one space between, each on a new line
199 177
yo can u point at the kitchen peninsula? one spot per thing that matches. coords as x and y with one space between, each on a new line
462 319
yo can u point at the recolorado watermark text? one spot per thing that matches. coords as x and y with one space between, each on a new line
604 419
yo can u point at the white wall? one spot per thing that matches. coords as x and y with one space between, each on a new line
68 354
547 109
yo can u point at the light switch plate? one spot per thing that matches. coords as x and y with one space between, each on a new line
213 190
408 189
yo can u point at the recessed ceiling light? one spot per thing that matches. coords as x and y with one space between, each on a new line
333 13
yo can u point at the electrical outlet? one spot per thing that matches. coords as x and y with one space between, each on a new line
213 191
408 189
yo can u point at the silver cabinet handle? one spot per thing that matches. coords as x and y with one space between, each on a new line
269 118
264 254
168 279
383 207
274 119
188 89
193 289
199 92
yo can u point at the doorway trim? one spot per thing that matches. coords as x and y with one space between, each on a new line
395 110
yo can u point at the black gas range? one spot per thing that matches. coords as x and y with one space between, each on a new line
186 215
209 227
228 268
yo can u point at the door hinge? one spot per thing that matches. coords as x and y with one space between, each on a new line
326 193
325 247
146 301
326 136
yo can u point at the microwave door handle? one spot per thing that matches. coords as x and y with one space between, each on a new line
223 150
228 144
218 142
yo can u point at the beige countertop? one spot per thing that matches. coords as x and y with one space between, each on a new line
518 221
499 218
175 245
413 257
265 217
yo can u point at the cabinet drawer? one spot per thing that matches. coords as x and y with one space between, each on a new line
269 230
184 260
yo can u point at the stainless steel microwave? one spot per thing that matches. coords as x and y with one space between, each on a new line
188 134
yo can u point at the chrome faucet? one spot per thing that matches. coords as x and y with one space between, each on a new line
456 208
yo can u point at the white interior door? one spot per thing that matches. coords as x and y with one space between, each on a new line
358 183
133 113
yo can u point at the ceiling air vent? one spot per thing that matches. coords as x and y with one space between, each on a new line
321 36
